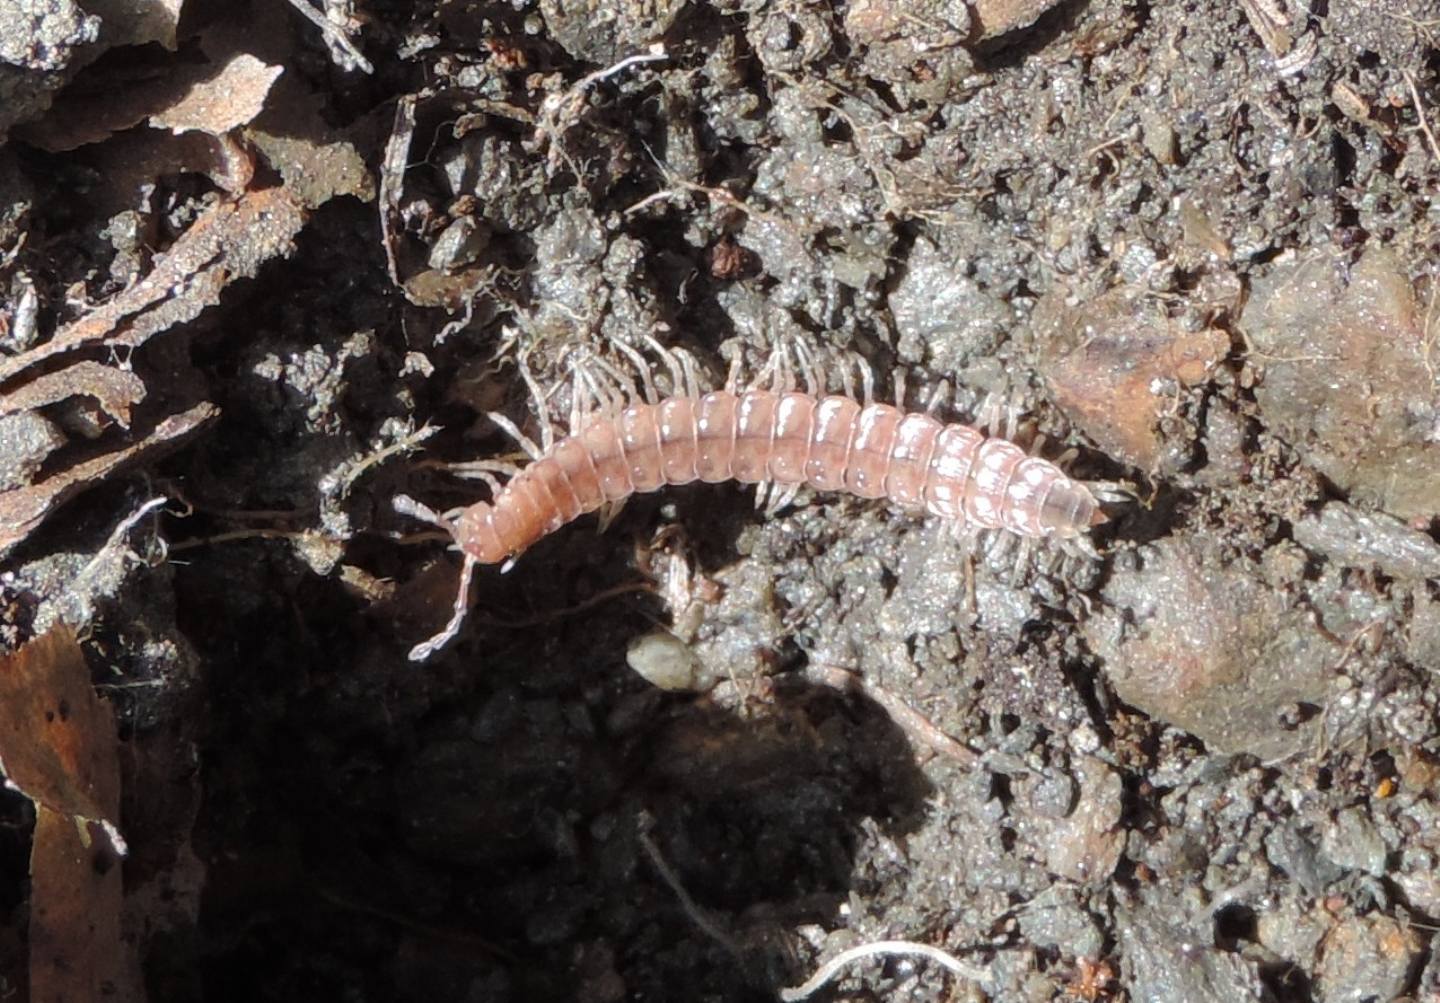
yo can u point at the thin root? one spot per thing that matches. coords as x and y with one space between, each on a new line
884 949
706 925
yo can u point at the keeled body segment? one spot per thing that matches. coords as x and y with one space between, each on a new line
830 443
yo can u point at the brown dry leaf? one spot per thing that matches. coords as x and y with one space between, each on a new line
230 241
23 509
76 896
212 98
224 101
116 390
58 746
57 739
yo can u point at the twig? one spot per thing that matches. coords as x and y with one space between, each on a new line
392 177
231 536
1420 114
886 949
340 480
1429 332
910 721
332 32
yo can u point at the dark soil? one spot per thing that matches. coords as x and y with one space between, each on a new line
1191 242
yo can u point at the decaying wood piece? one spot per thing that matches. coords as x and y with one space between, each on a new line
23 509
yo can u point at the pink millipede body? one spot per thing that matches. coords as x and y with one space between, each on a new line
788 438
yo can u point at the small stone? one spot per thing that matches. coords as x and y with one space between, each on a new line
1353 842
664 661
459 244
1206 645
1119 370
1085 843
1159 138
1366 959
1170 962
606 31
1346 380
997 17
1055 918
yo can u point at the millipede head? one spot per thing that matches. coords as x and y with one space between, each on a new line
406 505
477 535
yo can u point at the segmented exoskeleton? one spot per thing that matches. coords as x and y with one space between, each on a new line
780 437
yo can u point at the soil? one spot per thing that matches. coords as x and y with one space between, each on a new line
1190 245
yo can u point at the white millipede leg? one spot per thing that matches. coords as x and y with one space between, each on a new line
406 505
537 396
678 387
507 426
642 369
425 649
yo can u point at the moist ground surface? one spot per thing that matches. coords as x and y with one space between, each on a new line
1189 243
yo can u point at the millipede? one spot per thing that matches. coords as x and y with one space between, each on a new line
785 438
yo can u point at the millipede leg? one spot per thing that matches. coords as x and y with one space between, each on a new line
484 470
781 497
780 379
812 374
765 374
425 649
608 513
522 440
867 381
691 369
642 369
537 397
1022 561
941 391
580 399
406 505
672 364
732 378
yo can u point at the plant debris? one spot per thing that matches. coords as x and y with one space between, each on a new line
58 747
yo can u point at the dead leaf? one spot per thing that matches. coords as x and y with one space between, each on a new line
76 897
316 161
57 739
116 390
223 101
58 746
230 241
23 509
